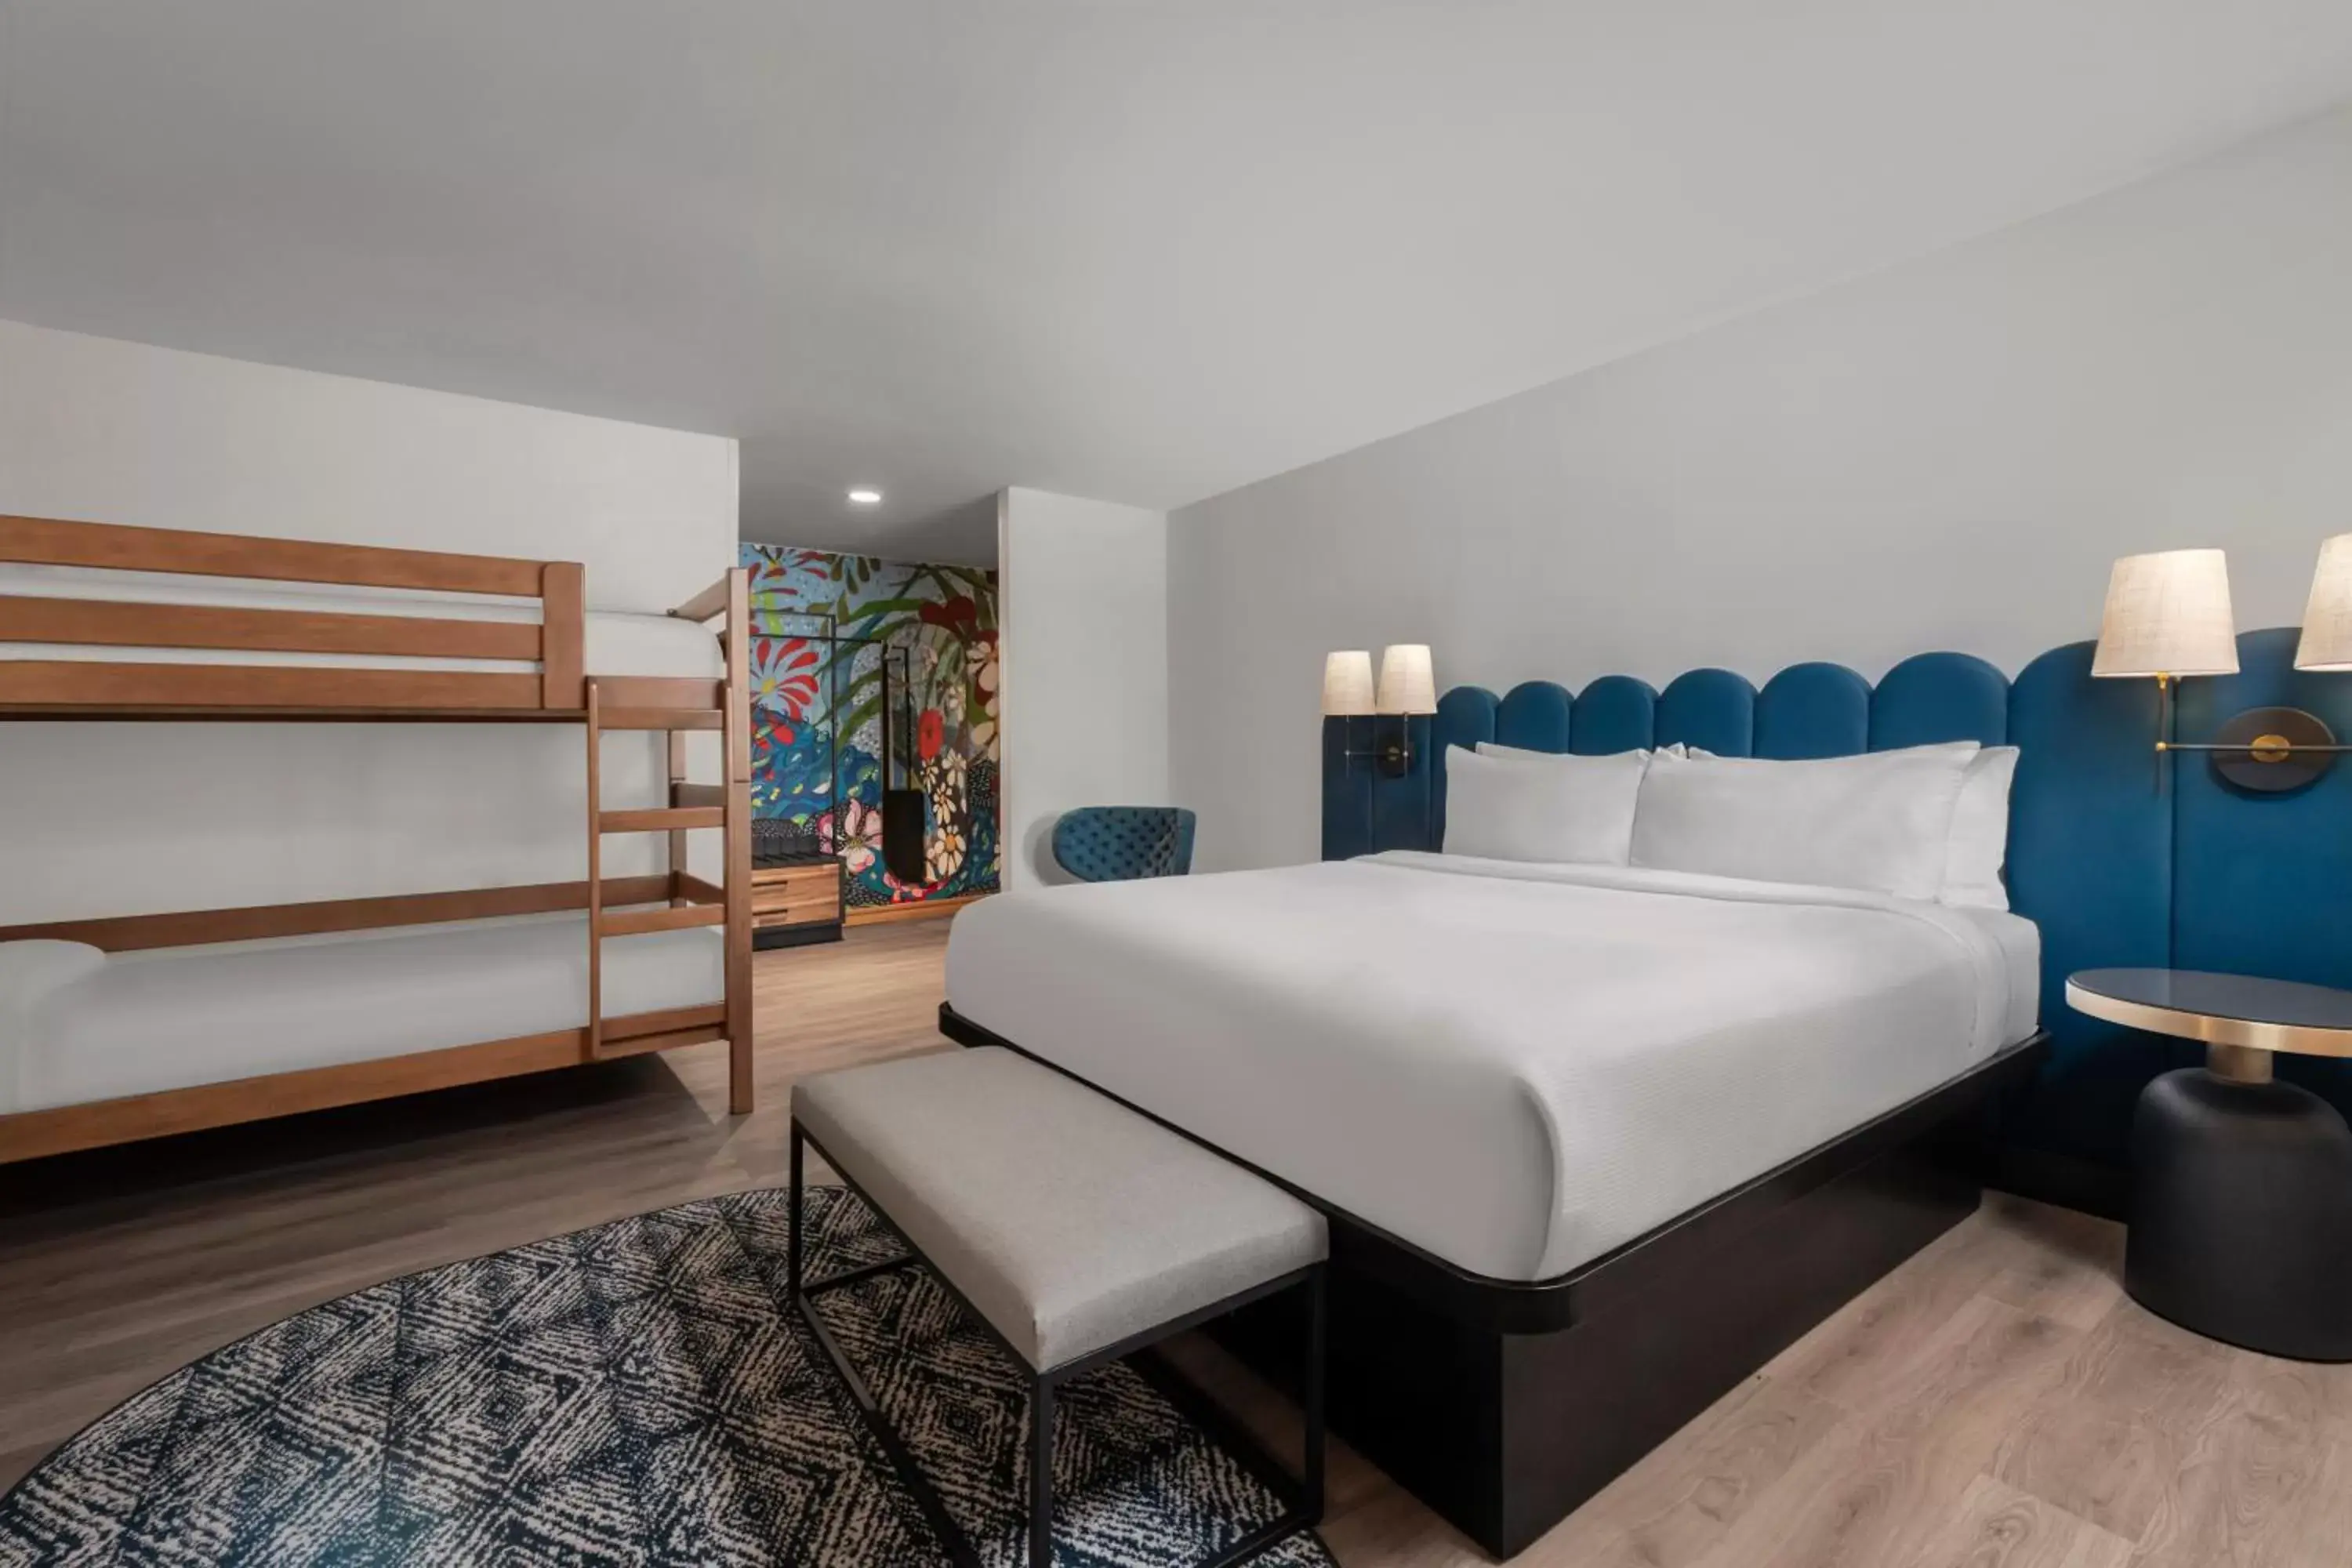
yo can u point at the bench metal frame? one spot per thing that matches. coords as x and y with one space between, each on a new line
1303 1498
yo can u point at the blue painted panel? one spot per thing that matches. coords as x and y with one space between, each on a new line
1615 713
1813 711
1535 714
1404 810
1347 789
2263 883
1712 709
1466 716
2090 862
1933 697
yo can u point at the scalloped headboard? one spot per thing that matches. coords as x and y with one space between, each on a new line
2113 869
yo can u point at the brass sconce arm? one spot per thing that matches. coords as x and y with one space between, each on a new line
1395 756
2268 751
2262 748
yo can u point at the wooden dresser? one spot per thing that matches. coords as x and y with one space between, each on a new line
796 898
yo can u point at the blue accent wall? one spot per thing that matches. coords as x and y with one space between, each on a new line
2117 859
2260 882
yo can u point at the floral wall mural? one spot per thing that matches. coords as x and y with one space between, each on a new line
859 665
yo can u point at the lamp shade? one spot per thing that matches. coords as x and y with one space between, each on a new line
1346 683
2327 619
1407 685
2169 613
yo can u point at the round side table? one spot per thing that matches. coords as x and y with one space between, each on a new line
2241 1186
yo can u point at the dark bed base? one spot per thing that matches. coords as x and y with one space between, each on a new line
1504 1406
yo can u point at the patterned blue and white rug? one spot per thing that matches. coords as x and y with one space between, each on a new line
637 1394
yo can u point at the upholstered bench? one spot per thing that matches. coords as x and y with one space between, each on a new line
1075 1230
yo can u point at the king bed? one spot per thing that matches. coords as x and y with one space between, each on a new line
1596 1139
1514 1068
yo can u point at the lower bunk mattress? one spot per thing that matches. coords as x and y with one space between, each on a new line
78 1024
1513 1067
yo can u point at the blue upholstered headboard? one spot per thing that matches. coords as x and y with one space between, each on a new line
2113 869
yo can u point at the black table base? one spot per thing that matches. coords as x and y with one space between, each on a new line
2241 1215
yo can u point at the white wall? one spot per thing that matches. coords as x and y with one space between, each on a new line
1083 704
129 818
1946 455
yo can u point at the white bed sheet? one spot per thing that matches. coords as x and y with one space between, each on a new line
1516 1068
175 1018
615 642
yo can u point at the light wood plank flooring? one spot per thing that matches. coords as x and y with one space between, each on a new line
1997 1403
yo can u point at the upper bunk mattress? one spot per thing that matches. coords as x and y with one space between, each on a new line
1516 1068
79 1025
615 642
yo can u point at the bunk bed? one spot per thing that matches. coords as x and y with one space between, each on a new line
118 1029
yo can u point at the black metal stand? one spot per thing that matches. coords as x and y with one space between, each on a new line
2241 1214
1305 1498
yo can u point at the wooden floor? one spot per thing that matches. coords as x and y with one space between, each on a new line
1997 1403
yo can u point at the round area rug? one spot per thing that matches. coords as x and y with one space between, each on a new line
637 1394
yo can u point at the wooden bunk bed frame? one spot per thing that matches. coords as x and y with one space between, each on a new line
561 692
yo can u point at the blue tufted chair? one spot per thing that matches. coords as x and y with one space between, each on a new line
1120 843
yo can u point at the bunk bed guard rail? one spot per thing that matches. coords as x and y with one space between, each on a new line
555 642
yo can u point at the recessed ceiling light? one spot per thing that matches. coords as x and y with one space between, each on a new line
866 498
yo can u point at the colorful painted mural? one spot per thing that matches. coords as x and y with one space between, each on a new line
866 674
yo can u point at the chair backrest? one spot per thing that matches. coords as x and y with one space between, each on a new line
1122 843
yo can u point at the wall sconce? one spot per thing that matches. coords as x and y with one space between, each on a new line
2327 642
1348 695
1407 688
2168 614
1346 684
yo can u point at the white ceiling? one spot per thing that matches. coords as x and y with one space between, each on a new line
1141 251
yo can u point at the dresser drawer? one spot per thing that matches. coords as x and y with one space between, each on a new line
769 905
823 879
796 895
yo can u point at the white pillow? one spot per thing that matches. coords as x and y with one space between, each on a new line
1496 749
1979 837
1541 805
1880 821
1978 843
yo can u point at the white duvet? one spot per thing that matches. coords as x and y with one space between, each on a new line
1516 1068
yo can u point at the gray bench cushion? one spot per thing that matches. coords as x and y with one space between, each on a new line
1068 1220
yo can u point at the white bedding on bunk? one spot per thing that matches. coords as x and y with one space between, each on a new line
136 1023
616 643
1515 1067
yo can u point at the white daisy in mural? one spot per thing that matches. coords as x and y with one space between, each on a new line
944 777
943 855
980 658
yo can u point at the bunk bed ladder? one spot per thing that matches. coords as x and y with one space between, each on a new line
692 900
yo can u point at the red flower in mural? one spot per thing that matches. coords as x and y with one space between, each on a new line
770 733
959 615
930 733
783 674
